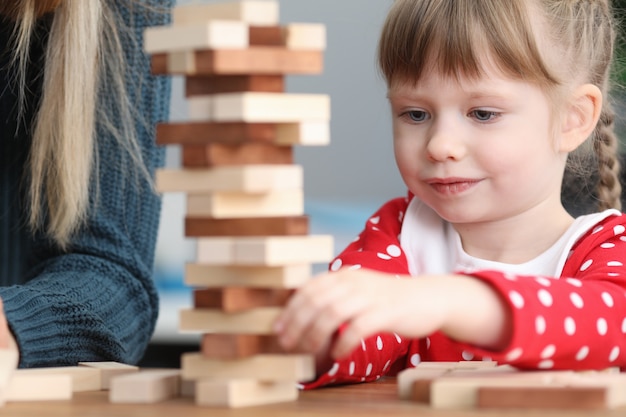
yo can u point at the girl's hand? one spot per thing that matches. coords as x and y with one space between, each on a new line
370 302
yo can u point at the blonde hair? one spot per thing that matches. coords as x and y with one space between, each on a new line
454 35
83 52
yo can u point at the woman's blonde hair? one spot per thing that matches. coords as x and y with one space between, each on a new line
83 53
454 35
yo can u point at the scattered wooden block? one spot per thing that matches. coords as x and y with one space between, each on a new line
289 276
410 386
146 386
460 389
236 299
248 179
247 226
253 60
9 358
252 12
573 391
243 392
25 386
214 34
260 367
235 205
108 370
83 378
238 346
267 251
218 84
256 107
219 154
255 321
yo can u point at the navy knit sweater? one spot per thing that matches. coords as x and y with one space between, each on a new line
97 301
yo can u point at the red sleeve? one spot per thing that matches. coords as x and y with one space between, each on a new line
377 248
575 321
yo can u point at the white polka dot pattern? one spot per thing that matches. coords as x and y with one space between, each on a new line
572 321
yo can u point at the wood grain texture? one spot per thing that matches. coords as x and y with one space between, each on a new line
261 226
218 154
200 133
244 392
216 84
289 276
253 60
235 299
238 346
262 367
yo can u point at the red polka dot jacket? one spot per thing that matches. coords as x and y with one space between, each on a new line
574 321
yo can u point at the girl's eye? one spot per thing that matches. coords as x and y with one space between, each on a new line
484 115
417 116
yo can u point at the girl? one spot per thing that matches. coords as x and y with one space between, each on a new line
78 215
489 99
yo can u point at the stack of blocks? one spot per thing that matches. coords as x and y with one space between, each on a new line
245 200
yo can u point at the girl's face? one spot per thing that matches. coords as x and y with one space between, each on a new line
477 150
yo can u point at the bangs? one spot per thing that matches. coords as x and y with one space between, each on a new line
460 38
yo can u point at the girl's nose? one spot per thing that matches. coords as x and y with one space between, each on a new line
445 142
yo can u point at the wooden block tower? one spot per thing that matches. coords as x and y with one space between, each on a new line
245 200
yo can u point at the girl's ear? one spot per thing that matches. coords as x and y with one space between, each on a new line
581 116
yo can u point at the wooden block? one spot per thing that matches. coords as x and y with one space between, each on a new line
199 133
266 36
408 378
289 276
218 154
305 133
305 36
260 107
236 205
210 132
214 34
292 36
108 370
267 251
247 179
593 391
236 299
146 386
83 378
577 398
217 84
252 12
238 346
260 367
9 358
243 392
253 60
181 62
38 387
460 389
247 226
255 321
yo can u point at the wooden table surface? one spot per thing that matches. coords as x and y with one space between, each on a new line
378 399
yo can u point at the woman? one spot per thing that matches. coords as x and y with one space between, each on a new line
78 213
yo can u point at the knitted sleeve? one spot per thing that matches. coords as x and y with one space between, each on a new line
98 301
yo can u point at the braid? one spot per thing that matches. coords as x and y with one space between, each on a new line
605 146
